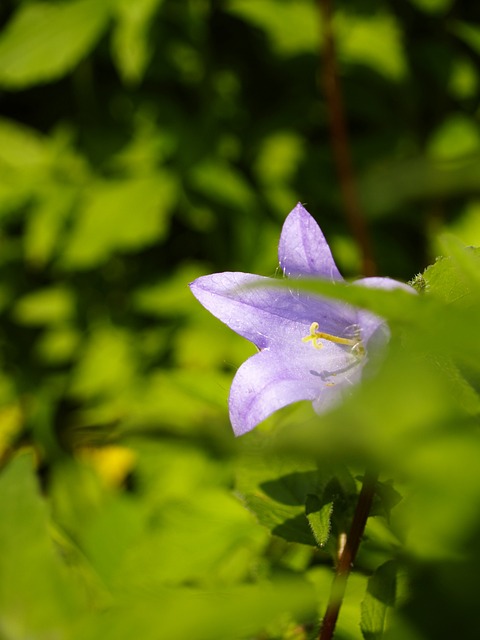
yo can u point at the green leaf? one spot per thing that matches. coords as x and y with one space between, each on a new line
276 491
45 40
215 614
290 25
293 28
468 33
456 137
379 599
36 598
391 183
224 183
47 222
465 275
23 148
386 498
130 46
373 40
45 306
433 6
170 296
106 365
319 516
120 215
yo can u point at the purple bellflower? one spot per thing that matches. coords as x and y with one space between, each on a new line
310 348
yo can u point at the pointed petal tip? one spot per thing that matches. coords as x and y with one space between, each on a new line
303 249
299 211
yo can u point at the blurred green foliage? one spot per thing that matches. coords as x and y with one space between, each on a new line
143 144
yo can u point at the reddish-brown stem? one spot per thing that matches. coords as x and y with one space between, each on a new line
348 555
340 141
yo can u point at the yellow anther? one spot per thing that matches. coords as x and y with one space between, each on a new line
315 336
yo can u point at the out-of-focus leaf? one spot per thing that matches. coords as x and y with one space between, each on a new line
11 420
112 462
458 136
131 49
391 184
279 157
182 400
47 221
223 183
106 366
36 598
224 534
58 345
169 297
25 158
373 40
292 26
379 599
463 79
150 146
468 33
45 40
447 483
433 6
45 306
121 215
22 148
226 614
455 279
43 171
277 162
467 225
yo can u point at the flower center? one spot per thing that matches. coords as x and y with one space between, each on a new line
355 341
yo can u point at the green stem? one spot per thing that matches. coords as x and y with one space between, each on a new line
348 554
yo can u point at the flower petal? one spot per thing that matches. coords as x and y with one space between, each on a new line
384 283
303 250
270 380
265 315
371 324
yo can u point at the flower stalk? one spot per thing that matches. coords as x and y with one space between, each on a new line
348 554
340 140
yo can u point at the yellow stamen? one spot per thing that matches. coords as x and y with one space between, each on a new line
315 337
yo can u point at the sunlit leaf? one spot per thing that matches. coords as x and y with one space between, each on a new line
292 26
45 40
373 40
131 49
458 136
169 297
238 612
106 364
111 219
45 306
36 597
223 183
47 222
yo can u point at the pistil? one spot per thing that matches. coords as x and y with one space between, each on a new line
316 336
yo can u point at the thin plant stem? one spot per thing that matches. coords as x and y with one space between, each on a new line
348 555
340 141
